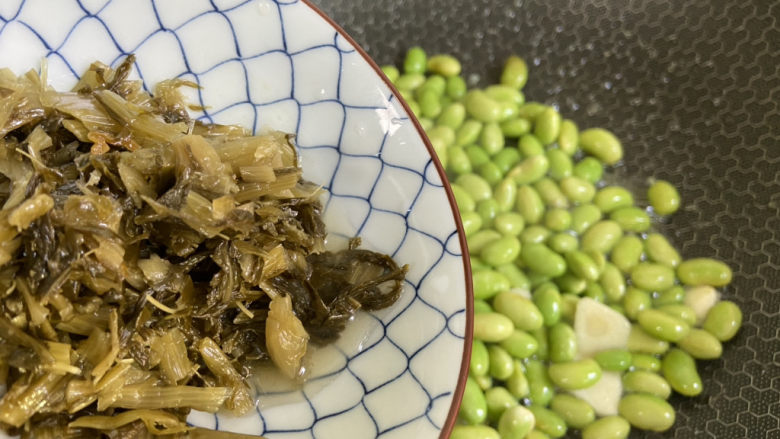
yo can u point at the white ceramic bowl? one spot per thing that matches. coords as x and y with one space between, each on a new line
397 373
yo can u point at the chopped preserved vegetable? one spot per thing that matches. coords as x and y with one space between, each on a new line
147 260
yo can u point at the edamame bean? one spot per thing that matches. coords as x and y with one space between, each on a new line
488 283
577 190
568 283
475 185
481 306
608 427
701 345
551 194
517 279
498 401
482 107
547 298
516 422
452 115
614 360
582 265
574 411
515 72
472 222
444 134
575 375
521 311
482 238
506 159
529 145
543 351
456 87
479 358
569 137
673 295
503 93
540 388
474 432
563 242
589 169
640 381
557 219
530 110
547 126
642 342
534 235
646 362
483 381
509 223
595 292
516 127
704 271
562 343
663 326
663 197
679 369
583 217
569 306
473 407
487 209
632 219
391 72
477 156
680 311
723 320
517 383
491 139
613 283
415 60
548 421
430 104
540 259
601 144
520 344
501 363
560 164
529 170
468 133
408 82
647 412
491 173
627 253
611 198
652 277
601 237
492 327
529 204
458 160
445 65
635 301
660 250
463 198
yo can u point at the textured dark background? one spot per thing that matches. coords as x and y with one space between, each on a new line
693 90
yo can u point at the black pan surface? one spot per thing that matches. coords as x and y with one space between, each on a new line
692 88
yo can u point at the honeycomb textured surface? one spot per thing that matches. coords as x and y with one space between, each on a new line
692 88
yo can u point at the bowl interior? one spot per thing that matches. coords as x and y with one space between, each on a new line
280 65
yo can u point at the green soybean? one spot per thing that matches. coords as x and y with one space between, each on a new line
636 301
491 139
479 358
589 169
452 115
660 250
529 204
680 311
568 283
481 306
506 159
498 400
642 342
543 352
482 238
484 382
501 363
613 282
662 325
608 427
601 144
569 306
467 134
704 271
456 87
652 276
473 407
646 412
577 190
529 145
547 126
472 222
489 283
631 219
459 162
520 344
679 369
583 217
534 235
569 137
548 421
550 192
548 299
517 279
445 65
474 432
672 296
415 60
646 362
542 260
515 127
640 381
595 292
701 345
562 343
575 375
663 197
574 411
521 311
560 164
487 209
516 422
477 156
475 185
614 360
503 93
602 236
430 104
530 110
582 265
482 107
540 388
517 383
391 72
501 251
530 169
563 242
492 327
515 72
409 82
463 199
723 320
557 219
509 223
627 252
536 434
610 198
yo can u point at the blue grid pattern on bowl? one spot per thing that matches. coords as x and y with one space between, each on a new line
278 64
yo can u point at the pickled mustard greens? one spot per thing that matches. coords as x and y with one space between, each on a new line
147 260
